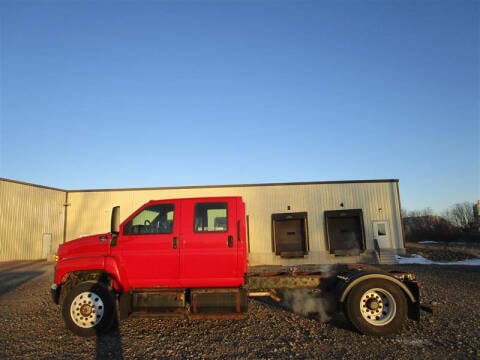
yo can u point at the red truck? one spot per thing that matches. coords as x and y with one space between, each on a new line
187 258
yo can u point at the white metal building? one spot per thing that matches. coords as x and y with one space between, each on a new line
287 223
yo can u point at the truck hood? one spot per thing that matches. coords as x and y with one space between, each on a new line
93 245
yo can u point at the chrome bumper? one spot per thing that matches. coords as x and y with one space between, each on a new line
55 293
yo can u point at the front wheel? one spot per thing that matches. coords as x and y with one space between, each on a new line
89 309
377 307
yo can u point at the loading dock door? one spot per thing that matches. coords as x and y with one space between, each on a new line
345 232
290 234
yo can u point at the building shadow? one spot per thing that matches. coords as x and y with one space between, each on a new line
11 280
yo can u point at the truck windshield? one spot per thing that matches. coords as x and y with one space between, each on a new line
155 219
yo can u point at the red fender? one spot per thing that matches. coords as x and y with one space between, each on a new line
93 263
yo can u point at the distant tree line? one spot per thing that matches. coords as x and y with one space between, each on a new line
458 223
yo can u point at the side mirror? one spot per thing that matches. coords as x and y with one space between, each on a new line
115 223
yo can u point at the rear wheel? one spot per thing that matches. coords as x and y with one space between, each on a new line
89 309
377 307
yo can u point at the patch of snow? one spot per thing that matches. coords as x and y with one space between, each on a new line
428 242
417 259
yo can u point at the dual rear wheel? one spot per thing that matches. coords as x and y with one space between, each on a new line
377 307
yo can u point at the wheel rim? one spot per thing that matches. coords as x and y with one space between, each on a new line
378 306
87 309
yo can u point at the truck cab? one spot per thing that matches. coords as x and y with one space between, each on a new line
183 243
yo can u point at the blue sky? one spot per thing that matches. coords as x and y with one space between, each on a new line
136 94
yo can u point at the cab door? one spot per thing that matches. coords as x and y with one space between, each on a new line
147 247
210 243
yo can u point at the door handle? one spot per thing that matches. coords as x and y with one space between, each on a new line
230 241
175 242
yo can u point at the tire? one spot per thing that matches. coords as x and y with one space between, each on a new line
89 309
377 307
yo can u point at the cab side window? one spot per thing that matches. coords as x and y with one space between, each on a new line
155 219
211 217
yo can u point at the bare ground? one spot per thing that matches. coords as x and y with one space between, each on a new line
444 251
32 327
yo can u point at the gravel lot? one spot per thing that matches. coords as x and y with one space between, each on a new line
32 327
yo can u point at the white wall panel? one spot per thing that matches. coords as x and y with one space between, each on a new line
89 211
27 212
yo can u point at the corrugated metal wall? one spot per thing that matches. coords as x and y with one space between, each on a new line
31 220
89 212
31 215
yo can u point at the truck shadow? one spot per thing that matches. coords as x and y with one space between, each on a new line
328 314
109 345
339 321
